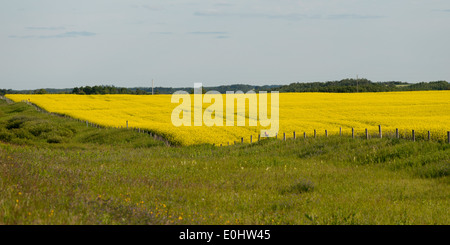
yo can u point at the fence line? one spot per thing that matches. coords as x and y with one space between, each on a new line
367 135
160 138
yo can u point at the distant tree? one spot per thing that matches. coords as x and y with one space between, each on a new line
40 91
203 91
3 91
140 91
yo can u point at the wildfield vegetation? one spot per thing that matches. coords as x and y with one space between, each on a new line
421 111
55 170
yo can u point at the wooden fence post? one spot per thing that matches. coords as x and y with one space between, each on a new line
251 139
127 124
367 134
353 133
429 136
448 137
294 135
259 136
326 133
340 131
87 124
380 132
397 134
314 133
413 135
242 139
304 135
284 136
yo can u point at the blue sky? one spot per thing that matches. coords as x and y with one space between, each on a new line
62 44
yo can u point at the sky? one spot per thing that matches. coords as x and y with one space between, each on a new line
127 43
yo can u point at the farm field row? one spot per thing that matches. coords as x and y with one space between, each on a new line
300 112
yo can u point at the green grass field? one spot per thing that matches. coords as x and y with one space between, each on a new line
55 170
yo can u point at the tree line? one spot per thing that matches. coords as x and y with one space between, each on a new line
361 85
343 86
106 90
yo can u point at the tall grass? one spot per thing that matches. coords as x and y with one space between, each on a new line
99 176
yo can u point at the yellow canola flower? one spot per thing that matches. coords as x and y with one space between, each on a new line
421 111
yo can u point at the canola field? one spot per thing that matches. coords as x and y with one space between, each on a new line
421 111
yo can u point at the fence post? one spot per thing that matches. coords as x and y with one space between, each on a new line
413 135
396 133
127 124
276 135
448 137
314 133
304 135
251 139
87 124
242 139
353 133
294 135
380 132
340 131
259 137
326 133
429 136
284 136
367 134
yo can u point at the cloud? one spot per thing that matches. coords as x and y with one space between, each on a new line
217 34
207 32
48 28
223 4
353 16
292 16
70 34
162 32
146 7
442 10
215 13
23 37
151 8
212 12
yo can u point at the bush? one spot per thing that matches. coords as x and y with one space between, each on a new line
40 128
434 170
301 186
17 122
55 139
5 135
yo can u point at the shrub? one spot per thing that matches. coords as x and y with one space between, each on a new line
55 139
302 186
17 122
5 136
434 170
40 128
